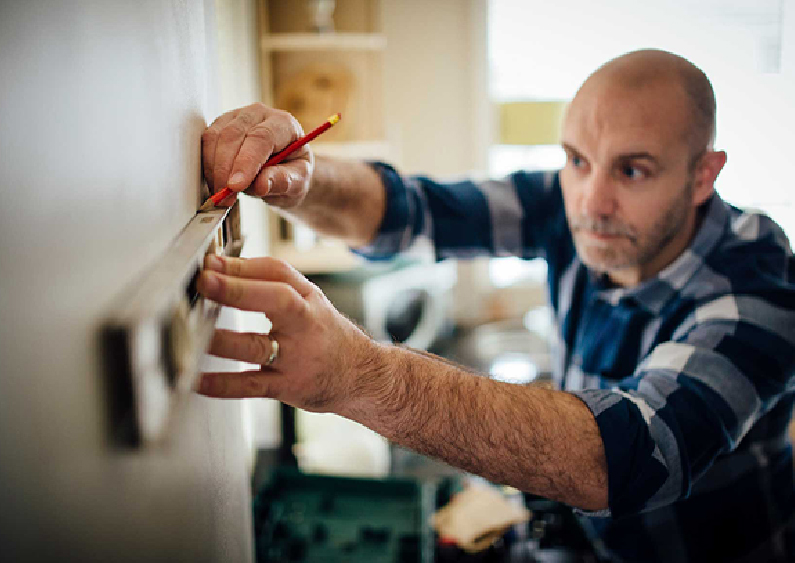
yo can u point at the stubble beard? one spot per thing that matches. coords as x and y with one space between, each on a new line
630 249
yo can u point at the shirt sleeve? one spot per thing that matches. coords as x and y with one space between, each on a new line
465 219
692 399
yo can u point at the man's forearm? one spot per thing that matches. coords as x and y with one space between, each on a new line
346 200
540 441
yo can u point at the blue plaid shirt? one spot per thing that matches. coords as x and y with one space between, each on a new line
689 374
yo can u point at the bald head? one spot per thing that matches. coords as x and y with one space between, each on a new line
639 70
639 163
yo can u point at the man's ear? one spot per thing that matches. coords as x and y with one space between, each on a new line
709 166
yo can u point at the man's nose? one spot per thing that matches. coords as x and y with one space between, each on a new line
599 196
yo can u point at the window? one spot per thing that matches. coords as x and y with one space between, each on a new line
544 50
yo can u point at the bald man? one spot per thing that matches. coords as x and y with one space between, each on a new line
675 330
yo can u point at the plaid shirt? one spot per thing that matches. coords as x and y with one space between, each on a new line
689 374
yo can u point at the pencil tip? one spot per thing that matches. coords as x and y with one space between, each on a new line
207 205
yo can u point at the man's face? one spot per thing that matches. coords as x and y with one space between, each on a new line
627 183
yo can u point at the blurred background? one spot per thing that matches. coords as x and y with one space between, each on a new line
102 105
459 88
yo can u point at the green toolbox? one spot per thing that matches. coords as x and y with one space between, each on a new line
328 519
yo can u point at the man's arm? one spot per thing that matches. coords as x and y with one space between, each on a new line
371 206
345 199
538 440
338 198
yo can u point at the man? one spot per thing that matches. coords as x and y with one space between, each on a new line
674 312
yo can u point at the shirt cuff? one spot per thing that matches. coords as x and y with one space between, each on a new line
634 474
395 225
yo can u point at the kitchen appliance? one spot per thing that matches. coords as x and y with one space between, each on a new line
406 303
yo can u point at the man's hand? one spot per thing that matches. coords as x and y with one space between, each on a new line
347 199
239 142
541 441
323 358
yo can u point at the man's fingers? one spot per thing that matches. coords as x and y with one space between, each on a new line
230 139
210 142
277 300
250 347
261 142
239 385
289 177
257 146
263 269
246 143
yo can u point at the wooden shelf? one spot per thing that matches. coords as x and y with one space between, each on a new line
324 42
313 75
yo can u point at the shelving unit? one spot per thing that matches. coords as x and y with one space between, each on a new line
352 149
314 74
324 42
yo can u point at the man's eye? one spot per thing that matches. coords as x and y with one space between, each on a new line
633 173
577 161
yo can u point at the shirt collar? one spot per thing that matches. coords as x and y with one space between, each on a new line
654 293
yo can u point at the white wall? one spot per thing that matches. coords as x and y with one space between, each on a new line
101 108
